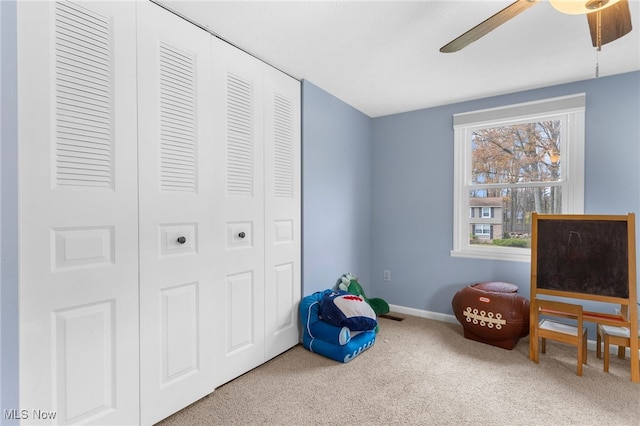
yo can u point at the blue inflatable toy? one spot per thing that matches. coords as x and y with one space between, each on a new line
337 342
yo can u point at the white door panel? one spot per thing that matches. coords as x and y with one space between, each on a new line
282 211
176 288
239 206
78 212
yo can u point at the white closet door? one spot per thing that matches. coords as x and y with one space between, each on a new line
239 211
78 213
175 166
282 211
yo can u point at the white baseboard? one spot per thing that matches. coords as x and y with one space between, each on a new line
591 344
424 314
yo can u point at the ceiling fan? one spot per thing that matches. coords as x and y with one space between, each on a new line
608 20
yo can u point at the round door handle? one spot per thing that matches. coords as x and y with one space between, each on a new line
242 235
181 240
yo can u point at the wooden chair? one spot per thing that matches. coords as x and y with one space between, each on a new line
612 336
545 328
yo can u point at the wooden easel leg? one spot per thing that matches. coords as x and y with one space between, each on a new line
635 361
533 337
534 354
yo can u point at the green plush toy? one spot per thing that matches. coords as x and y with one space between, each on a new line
350 283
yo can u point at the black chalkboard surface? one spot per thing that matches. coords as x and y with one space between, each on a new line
583 256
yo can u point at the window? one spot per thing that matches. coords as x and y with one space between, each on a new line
482 230
509 162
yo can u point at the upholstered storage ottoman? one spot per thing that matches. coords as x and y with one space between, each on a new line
492 313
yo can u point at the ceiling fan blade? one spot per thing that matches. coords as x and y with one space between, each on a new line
615 23
488 25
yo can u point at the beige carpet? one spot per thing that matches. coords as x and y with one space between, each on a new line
424 372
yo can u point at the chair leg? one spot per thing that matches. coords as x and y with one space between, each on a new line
543 346
582 352
598 342
606 353
580 361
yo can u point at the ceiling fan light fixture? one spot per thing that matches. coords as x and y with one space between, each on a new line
581 7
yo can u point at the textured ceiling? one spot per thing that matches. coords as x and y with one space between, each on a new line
381 57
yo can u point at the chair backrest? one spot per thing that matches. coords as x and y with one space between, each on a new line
555 308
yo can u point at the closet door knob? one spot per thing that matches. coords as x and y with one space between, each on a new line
242 235
181 240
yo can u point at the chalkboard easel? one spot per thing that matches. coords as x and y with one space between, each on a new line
589 257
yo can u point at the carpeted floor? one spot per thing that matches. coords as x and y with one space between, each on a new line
424 372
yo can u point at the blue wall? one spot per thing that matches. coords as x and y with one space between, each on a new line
336 198
396 211
412 189
8 210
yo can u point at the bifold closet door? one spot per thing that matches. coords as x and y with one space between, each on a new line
78 213
176 173
239 210
257 210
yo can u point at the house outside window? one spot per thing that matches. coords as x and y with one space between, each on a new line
509 162
485 225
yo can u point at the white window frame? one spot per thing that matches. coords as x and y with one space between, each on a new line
571 111
486 210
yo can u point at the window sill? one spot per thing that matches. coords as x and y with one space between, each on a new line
494 253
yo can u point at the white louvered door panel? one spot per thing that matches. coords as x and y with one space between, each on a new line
282 211
78 213
239 206
176 177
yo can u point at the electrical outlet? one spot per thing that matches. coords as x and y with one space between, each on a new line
387 275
